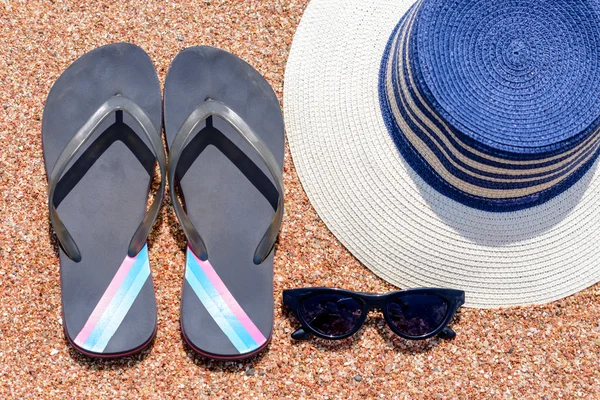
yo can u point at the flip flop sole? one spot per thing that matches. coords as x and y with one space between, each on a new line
109 307
227 301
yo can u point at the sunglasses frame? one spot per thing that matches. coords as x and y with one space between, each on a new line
293 298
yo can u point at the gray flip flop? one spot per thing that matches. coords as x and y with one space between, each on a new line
224 129
101 139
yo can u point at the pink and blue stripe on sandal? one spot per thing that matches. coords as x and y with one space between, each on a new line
115 303
222 306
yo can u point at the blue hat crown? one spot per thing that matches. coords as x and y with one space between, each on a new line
495 104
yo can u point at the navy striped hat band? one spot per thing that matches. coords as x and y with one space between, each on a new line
495 104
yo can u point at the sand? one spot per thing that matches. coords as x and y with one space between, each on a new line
549 351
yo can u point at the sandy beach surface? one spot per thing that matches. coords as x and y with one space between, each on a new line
541 352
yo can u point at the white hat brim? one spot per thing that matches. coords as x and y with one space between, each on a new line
383 212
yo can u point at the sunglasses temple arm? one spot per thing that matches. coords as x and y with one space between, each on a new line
446 333
300 334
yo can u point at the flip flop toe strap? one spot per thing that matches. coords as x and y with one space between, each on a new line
83 135
200 114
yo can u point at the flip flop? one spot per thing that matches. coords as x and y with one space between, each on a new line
225 135
101 140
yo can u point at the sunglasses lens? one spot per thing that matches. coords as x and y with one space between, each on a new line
331 314
417 314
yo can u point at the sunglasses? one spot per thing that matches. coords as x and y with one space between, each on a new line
413 314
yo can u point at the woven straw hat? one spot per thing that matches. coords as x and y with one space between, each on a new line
454 143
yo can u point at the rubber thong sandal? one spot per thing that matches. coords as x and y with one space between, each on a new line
225 135
101 140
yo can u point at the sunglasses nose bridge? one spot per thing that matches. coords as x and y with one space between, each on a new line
375 302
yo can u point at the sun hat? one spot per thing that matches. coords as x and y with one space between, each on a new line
454 143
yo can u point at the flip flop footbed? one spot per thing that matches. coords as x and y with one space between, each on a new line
108 299
227 300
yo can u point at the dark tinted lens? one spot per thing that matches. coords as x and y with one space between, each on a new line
331 314
417 314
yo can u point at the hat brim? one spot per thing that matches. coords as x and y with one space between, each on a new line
383 212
